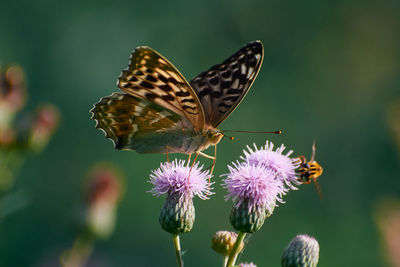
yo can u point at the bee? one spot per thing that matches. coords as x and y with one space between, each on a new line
310 170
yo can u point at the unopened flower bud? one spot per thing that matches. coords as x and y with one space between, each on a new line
43 125
178 214
302 251
12 91
247 219
103 196
223 242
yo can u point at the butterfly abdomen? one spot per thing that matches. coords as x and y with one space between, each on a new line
161 142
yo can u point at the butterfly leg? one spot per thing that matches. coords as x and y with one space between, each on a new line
194 161
166 153
214 158
190 155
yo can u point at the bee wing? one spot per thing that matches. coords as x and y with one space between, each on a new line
314 150
318 187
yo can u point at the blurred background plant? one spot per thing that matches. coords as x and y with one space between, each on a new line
19 134
330 73
103 193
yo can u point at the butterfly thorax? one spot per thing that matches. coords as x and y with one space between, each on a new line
191 141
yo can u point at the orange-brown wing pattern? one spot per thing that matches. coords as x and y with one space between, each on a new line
150 76
123 117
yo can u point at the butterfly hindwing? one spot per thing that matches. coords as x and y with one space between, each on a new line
150 76
130 121
221 88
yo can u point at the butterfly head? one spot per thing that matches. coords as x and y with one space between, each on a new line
214 136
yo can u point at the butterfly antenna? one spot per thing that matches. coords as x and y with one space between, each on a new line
229 137
233 131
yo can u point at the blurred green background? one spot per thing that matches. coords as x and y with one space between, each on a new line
330 72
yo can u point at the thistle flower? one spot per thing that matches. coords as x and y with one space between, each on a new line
281 164
258 184
180 183
302 251
254 184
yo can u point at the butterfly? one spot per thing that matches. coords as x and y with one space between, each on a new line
311 170
160 112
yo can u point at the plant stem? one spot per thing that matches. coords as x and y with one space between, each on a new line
177 246
224 262
78 255
236 249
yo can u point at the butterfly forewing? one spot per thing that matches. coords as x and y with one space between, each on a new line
123 118
150 76
222 88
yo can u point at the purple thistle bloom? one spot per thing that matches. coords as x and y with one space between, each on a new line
255 184
281 164
173 177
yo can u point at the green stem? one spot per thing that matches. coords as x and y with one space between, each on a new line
236 249
78 255
225 261
177 246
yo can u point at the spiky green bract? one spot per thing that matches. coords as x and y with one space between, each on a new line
177 215
302 251
246 218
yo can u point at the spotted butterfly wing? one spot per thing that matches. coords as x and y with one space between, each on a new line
221 88
160 111
150 76
138 124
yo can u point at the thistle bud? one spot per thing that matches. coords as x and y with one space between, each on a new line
177 215
302 251
12 92
223 242
104 194
247 219
42 126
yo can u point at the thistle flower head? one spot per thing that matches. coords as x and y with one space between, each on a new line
302 251
281 164
254 184
176 177
180 182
